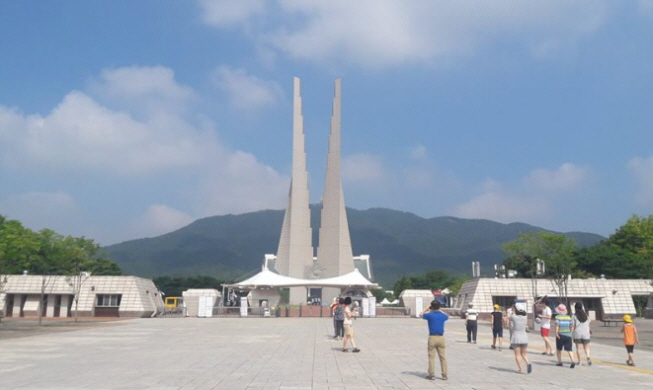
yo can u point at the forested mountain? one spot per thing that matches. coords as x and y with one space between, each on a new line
399 243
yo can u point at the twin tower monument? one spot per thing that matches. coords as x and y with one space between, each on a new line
295 255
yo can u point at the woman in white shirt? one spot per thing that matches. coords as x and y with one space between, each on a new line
581 334
349 327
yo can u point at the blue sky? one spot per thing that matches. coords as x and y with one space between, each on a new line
122 120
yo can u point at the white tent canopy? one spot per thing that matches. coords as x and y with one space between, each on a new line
267 278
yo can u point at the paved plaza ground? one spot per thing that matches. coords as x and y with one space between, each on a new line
290 353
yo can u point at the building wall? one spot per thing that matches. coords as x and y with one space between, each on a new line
139 297
615 294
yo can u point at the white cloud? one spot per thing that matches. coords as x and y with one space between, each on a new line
246 92
224 13
645 7
147 91
503 207
375 34
566 177
642 169
81 134
240 184
137 130
160 219
533 199
418 153
55 210
362 167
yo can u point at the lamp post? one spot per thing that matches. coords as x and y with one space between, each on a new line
539 270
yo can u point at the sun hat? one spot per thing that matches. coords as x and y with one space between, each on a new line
561 309
627 318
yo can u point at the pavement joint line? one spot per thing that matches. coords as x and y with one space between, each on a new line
623 367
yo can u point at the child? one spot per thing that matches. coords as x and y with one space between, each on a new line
497 327
630 338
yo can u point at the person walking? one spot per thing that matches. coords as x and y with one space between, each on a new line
497 327
349 327
436 343
581 333
471 324
564 327
519 338
545 326
339 318
333 306
630 338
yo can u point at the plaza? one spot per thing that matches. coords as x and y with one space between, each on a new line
292 354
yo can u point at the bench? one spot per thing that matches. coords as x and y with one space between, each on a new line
615 321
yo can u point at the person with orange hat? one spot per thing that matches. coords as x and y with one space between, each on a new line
630 338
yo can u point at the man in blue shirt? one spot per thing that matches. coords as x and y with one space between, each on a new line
436 320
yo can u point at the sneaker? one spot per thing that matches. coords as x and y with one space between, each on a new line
558 364
345 350
356 350
493 347
444 377
589 361
430 377
529 368
572 365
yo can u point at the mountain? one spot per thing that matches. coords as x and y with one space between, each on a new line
399 243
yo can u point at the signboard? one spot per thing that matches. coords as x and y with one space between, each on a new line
243 306
205 308
419 305
372 309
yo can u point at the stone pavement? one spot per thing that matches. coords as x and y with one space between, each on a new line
290 354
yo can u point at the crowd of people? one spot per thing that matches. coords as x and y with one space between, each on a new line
568 329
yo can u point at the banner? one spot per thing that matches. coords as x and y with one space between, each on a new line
243 306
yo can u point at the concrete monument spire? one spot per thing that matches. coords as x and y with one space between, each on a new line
295 251
334 252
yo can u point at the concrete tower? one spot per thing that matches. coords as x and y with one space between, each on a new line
334 253
295 252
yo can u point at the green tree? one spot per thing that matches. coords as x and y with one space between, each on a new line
636 237
556 250
173 286
380 294
432 280
612 261
402 284
50 255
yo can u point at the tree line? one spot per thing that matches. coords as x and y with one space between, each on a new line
626 254
50 255
47 252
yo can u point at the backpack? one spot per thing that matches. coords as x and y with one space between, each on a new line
339 314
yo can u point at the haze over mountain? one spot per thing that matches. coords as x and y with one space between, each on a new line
399 243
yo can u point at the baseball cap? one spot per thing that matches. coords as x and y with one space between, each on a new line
627 318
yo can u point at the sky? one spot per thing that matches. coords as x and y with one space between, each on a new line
124 120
